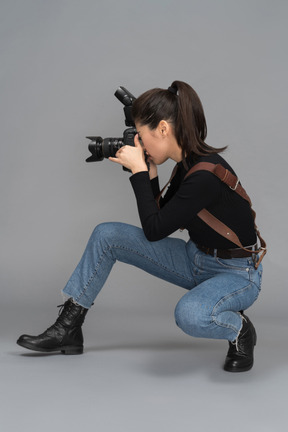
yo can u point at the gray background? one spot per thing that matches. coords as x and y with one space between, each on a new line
61 62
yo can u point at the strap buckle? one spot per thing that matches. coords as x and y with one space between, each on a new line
262 253
236 185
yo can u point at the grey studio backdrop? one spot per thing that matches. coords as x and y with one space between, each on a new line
61 62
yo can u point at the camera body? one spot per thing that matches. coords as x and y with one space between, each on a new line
104 148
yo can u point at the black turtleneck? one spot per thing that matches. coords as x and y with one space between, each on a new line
185 198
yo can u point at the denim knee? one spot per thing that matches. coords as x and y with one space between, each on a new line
104 232
191 319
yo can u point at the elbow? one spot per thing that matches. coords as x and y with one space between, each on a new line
152 230
149 236
152 236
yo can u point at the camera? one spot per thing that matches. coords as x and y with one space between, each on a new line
104 148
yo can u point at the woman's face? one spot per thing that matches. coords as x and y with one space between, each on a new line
158 143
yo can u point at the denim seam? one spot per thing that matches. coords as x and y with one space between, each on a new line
154 262
228 266
222 300
109 248
86 286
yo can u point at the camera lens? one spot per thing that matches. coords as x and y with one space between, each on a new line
110 146
95 148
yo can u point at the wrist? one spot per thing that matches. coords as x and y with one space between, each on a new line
139 168
153 175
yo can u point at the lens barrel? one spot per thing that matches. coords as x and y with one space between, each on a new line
103 148
110 146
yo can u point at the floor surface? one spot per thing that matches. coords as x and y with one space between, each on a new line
144 377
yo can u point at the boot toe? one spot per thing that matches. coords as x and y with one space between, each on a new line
27 341
236 365
23 338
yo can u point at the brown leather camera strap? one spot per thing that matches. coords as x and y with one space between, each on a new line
223 174
233 182
163 189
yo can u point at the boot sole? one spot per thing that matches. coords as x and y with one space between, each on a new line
68 350
244 369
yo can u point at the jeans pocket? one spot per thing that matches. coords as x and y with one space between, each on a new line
234 264
202 264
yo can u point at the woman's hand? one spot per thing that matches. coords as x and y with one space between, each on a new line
130 157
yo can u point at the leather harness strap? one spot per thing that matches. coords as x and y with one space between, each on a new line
224 175
233 182
163 189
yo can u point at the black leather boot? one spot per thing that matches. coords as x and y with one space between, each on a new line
65 335
240 354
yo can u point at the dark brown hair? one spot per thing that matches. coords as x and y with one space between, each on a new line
181 106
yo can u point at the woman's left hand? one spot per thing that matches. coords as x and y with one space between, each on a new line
131 157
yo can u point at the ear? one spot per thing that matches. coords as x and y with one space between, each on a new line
163 128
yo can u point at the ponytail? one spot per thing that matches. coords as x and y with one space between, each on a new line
181 106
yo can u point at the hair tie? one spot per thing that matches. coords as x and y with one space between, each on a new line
173 90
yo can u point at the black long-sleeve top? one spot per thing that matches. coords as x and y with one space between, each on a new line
185 198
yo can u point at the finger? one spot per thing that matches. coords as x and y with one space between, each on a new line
137 141
120 151
112 159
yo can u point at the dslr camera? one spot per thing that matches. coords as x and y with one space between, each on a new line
104 148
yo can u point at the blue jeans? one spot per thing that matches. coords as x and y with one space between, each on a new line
217 288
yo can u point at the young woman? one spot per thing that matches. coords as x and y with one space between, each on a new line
221 279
